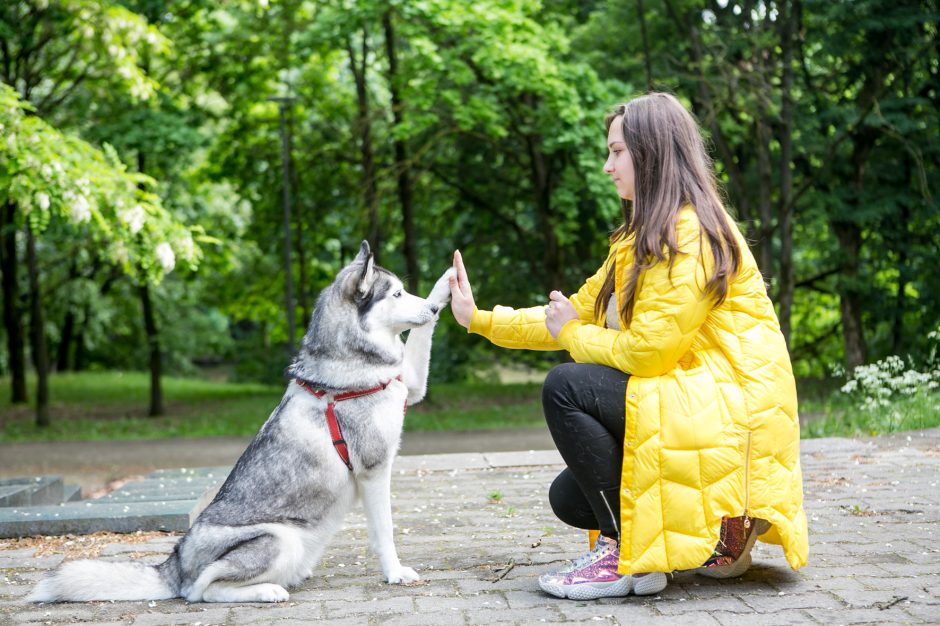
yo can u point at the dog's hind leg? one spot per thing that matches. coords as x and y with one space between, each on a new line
236 575
377 501
232 592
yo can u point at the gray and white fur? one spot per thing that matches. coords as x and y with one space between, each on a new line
289 492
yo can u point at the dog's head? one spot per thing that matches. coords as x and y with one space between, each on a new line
380 298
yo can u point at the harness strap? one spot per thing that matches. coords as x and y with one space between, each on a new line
336 433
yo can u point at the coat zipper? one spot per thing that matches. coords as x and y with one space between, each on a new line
747 480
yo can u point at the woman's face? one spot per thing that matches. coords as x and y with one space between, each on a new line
619 162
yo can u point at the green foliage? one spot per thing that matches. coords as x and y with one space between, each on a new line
52 175
501 118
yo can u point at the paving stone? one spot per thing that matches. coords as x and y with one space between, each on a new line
272 614
682 606
447 528
836 617
204 617
780 618
55 615
338 608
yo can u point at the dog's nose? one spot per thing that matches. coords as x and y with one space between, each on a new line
435 308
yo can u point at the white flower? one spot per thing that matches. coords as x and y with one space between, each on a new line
184 243
80 210
42 200
119 252
166 257
134 218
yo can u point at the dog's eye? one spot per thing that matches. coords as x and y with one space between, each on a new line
397 294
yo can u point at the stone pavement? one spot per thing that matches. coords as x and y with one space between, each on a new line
479 530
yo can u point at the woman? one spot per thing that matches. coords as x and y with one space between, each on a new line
678 420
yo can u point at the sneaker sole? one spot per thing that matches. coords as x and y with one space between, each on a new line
649 584
641 586
589 591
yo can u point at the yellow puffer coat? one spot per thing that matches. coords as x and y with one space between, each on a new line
711 419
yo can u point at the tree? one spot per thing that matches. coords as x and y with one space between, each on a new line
48 175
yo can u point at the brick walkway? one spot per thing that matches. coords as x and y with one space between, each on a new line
873 505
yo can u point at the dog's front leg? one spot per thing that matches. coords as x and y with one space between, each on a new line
418 347
416 362
377 501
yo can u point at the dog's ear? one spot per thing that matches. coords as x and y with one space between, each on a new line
367 273
364 252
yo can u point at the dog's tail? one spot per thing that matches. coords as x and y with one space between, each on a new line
79 581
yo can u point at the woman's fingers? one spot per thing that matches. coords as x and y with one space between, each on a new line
462 281
462 304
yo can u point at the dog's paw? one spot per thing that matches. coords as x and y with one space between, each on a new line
402 575
268 592
440 294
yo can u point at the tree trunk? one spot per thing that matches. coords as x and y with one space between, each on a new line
150 329
540 178
785 214
156 357
646 45
12 315
366 154
765 238
38 334
63 355
902 238
850 241
401 158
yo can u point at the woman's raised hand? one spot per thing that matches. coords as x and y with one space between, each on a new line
461 295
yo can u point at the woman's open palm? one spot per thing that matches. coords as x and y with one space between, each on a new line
461 295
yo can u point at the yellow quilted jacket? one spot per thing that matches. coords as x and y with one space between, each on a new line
711 418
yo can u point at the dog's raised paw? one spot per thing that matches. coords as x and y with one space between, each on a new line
440 293
402 575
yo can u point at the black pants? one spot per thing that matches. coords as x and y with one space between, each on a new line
584 408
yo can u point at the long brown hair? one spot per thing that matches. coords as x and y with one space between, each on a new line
672 169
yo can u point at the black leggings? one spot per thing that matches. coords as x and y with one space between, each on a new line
584 408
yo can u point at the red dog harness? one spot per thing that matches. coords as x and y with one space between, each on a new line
338 442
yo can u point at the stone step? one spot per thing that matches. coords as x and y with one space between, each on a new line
85 517
31 491
71 493
168 500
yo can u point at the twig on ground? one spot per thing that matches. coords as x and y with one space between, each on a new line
505 571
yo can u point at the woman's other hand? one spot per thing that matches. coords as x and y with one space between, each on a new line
461 295
559 312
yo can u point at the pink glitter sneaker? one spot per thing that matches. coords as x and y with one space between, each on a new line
594 575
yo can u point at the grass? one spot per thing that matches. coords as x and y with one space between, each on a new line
839 417
113 405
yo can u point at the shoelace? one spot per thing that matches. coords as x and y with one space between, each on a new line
599 549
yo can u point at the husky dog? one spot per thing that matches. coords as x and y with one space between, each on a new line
288 493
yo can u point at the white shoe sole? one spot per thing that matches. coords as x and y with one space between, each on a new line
651 583
641 586
589 591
